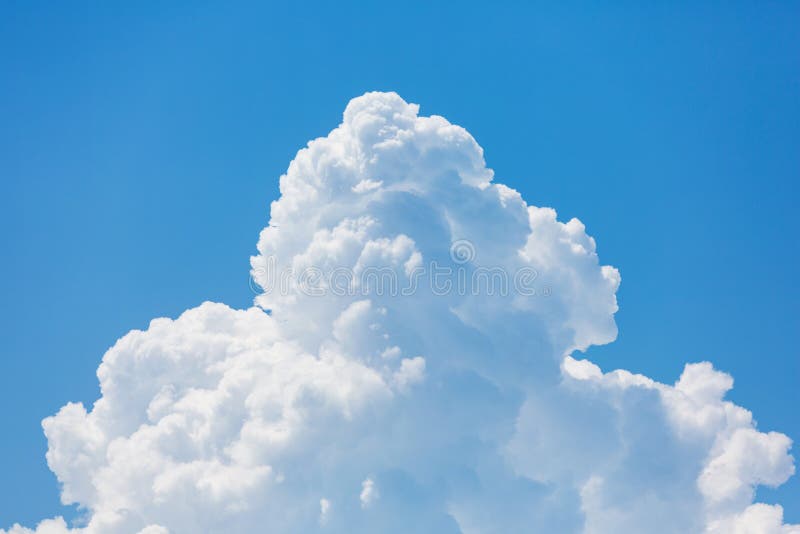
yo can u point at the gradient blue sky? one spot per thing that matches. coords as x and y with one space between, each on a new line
140 147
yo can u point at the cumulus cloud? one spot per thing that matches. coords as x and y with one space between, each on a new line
387 382
368 492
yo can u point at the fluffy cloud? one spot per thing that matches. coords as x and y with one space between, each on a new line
388 380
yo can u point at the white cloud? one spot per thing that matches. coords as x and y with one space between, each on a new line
238 421
412 371
369 493
324 510
755 519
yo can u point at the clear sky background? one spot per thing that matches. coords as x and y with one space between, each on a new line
140 146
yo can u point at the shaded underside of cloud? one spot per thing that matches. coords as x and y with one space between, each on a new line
357 408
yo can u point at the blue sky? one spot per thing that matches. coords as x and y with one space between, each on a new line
140 148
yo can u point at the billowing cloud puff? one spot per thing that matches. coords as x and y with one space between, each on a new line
410 366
